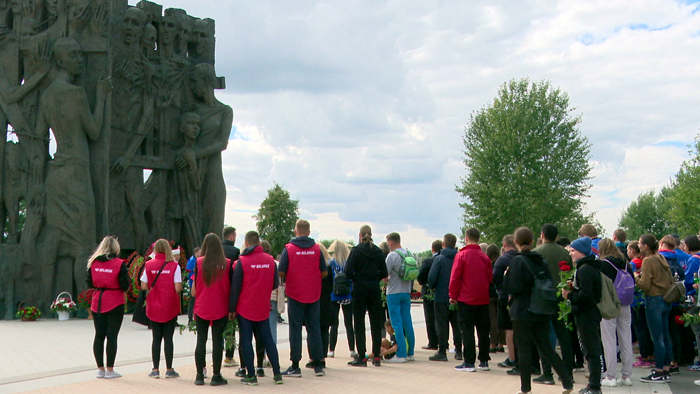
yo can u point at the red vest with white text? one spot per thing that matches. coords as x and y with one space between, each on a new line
105 278
303 278
163 302
211 302
258 279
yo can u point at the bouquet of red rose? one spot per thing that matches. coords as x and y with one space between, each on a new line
566 274
85 298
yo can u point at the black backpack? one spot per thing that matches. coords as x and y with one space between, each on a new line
543 299
341 283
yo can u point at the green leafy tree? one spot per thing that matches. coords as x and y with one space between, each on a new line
276 218
647 215
527 162
684 195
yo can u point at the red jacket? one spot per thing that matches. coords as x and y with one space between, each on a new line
471 276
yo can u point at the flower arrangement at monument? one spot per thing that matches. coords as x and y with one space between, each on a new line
85 299
63 304
134 263
566 274
29 313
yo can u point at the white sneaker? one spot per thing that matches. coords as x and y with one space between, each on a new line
112 375
396 360
411 358
100 374
624 382
230 362
331 354
608 382
353 354
697 382
452 351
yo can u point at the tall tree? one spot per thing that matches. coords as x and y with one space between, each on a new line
684 195
527 162
647 215
276 218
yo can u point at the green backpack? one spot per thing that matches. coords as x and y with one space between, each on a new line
409 267
609 305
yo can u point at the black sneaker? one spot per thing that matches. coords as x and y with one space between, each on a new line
514 372
675 370
458 355
292 372
544 379
656 377
310 365
250 380
588 390
218 380
438 356
318 371
507 364
278 379
377 362
358 362
260 372
241 373
199 379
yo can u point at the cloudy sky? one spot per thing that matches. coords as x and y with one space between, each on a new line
358 107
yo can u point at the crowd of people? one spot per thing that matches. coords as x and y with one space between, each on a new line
506 294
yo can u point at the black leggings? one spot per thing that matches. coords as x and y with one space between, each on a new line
107 326
163 332
347 317
217 343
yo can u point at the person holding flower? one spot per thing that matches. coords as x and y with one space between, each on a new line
108 275
163 281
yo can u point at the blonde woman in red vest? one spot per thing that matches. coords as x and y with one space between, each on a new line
108 275
163 280
211 289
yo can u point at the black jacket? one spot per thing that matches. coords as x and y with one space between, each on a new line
499 268
439 276
231 252
610 271
587 286
519 281
423 272
327 317
366 264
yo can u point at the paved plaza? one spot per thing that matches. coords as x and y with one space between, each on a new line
49 356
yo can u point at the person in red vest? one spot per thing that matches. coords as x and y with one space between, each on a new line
303 267
254 278
163 280
108 275
211 289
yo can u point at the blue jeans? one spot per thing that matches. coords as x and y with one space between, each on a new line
265 336
657 311
273 319
400 313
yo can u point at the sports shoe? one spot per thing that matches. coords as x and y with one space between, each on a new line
318 371
579 368
655 377
358 362
500 349
513 372
544 379
458 355
429 347
411 358
507 364
199 380
697 382
484 366
218 380
278 379
112 375
524 392
694 367
250 380
260 372
396 360
675 370
567 391
438 357
330 354
353 354
310 365
171 374
292 372
493 350
230 362
377 362
624 382
154 374
465 367
100 374
608 382
588 390
241 373
204 372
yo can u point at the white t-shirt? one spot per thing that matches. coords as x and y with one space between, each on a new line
177 278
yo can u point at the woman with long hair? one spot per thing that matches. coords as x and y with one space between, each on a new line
211 288
654 280
340 257
366 267
619 330
327 317
528 327
108 275
639 318
162 279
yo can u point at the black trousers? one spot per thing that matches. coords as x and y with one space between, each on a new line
567 350
588 326
107 326
217 343
430 323
367 298
525 334
163 332
259 347
471 316
444 317
300 313
349 330
247 328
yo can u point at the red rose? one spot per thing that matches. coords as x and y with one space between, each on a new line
565 268
679 320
